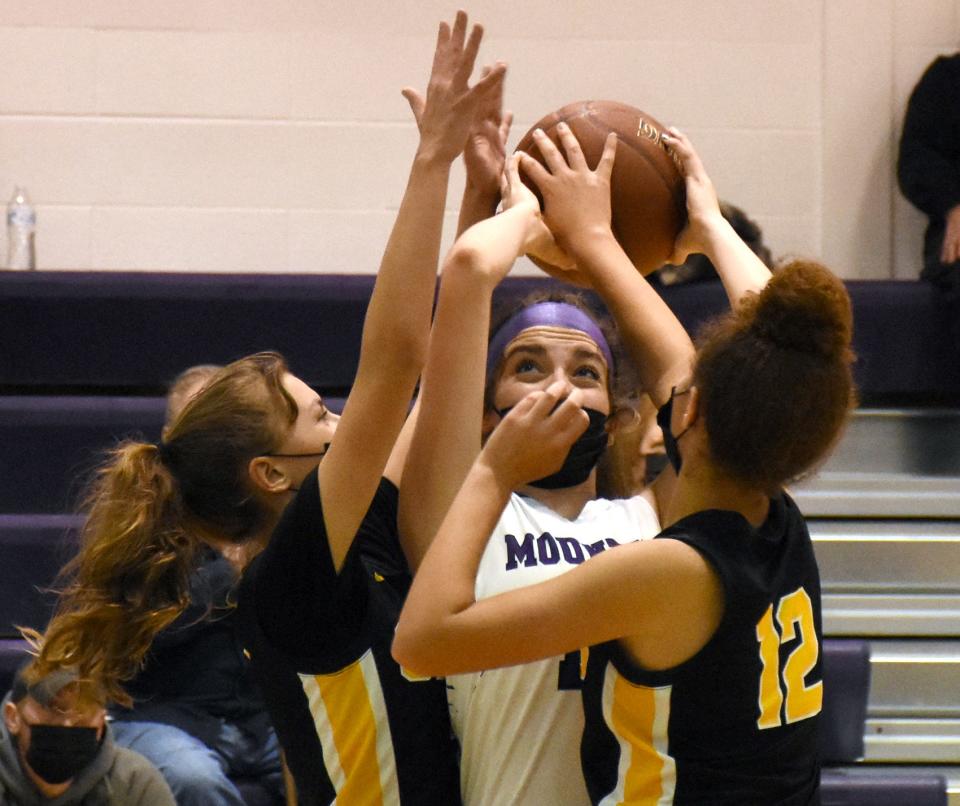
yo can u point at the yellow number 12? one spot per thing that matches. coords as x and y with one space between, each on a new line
794 615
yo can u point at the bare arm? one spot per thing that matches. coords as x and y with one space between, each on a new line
484 158
447 436
397 323
708 232
443 630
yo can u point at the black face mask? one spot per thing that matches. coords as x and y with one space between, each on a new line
583 457
58 753
670 445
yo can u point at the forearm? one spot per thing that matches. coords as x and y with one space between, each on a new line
445 583
738 266
397 323
477 205
655 339
447 435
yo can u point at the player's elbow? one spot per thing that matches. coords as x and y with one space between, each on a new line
416 653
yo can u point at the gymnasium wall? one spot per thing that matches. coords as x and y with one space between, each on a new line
270 135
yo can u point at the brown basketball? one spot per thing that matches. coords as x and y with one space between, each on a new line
647 194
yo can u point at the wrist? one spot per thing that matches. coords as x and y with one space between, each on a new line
430 159
587 240
716 232
480 200
493 478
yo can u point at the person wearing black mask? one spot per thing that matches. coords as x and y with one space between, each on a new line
56 747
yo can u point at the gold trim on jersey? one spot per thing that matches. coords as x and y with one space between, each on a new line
638 717
350 717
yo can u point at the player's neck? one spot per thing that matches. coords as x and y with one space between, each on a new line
565 501
705 487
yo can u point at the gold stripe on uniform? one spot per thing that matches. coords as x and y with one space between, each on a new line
638 716
354 730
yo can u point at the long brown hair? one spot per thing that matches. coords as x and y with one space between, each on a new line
147 508
775 376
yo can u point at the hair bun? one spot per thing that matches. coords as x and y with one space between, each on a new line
804 307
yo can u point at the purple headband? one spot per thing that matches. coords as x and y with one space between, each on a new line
545 314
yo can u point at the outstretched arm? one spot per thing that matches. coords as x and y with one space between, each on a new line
484 157
447 435
443 630
396 329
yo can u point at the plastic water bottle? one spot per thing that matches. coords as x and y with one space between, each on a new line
21 226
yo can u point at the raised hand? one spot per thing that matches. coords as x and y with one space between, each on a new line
533 440
703 207
447 113
539 241
576 199
486 146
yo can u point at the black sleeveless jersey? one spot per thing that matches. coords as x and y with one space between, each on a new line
353 727
738 722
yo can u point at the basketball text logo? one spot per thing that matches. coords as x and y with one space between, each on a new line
652 133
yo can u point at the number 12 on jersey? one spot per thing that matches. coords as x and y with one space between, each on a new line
795 699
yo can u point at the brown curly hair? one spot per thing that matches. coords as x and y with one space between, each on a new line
775 376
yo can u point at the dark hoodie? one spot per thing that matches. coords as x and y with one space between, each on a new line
116 777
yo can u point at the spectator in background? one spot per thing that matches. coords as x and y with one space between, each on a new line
57 747
196 714
184 387
928 170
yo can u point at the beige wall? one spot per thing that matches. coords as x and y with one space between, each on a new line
270 135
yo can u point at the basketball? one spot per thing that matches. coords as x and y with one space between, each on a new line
647 193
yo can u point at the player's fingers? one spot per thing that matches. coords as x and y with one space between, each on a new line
512 171
439 53
605 166
571 146
551 154
680 144
534 170
469 56
489 85
493 101
551 398
459 30
505 123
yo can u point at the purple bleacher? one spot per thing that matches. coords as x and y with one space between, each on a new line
93 332
13 652
888 788
33 548
846 689
49 444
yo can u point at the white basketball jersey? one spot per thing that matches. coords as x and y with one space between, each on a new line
520 727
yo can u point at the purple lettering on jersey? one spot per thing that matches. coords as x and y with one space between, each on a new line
593 549
547 549
572 550
520 552
550 550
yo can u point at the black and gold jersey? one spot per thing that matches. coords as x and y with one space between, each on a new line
738 722
353 727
